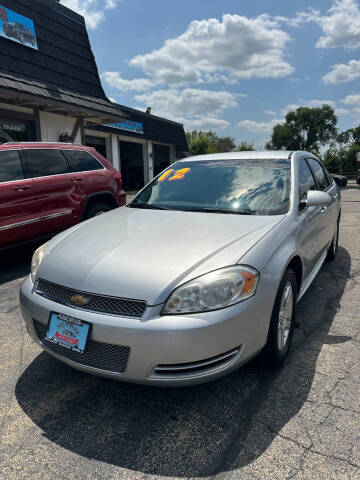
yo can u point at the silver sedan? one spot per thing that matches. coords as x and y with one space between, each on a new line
194 277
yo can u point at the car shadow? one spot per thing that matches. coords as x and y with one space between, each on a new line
185 432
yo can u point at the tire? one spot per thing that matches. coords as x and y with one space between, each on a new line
97 209
334 244
283 320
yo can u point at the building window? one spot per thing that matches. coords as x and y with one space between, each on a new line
98 143
13 131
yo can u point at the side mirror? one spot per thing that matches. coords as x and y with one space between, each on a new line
315 198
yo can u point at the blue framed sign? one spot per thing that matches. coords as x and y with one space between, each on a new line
129 125
17 28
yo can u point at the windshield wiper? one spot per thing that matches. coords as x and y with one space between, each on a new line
150 206
219 210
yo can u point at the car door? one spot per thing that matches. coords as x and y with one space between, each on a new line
18 201
309 226
55 187
329 213
86 167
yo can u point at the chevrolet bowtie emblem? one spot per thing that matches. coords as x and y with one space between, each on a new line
79 300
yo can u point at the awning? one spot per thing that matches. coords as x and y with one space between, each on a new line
25 92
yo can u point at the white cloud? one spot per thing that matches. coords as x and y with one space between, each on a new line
341 72
114 79
212 50
193 107
92 10
341 111
190 101
352 99
270 112
341 26
259 127
203 122
308 103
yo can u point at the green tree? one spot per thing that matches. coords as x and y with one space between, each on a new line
306 128
208 142
199 146
341 158
331 160
224 144
245 147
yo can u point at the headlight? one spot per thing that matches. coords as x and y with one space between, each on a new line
37 258
214 290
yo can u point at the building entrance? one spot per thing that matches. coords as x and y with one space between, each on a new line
132 165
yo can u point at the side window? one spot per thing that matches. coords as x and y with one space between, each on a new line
43 163
328 176
306 180
10 166
81 161
319 173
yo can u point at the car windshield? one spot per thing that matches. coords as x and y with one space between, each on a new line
246 186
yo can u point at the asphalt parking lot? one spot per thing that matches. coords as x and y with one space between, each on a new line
298 422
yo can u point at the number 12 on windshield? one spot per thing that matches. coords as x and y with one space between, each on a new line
177 175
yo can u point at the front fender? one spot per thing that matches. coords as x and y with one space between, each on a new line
272 255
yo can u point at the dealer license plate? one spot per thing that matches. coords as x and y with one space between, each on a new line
69 332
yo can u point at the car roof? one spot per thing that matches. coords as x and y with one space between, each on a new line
266 154
15 145
248 155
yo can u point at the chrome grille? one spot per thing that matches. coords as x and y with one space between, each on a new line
97 303
105 356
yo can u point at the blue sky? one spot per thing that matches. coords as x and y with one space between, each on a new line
234 66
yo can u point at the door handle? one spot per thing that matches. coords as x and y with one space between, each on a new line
21 189
76 179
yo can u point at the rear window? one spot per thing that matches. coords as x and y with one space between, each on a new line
10 166
43 163
81 161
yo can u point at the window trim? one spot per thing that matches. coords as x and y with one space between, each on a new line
328 174
314 175
21 163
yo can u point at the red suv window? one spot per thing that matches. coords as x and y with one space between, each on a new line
43 163
10 166
82 161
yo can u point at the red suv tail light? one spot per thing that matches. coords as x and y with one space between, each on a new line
118 179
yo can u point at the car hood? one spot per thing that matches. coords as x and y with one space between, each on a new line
145 254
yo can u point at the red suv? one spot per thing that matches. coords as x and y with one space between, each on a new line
48 187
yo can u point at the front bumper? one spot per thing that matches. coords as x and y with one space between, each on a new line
164 350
